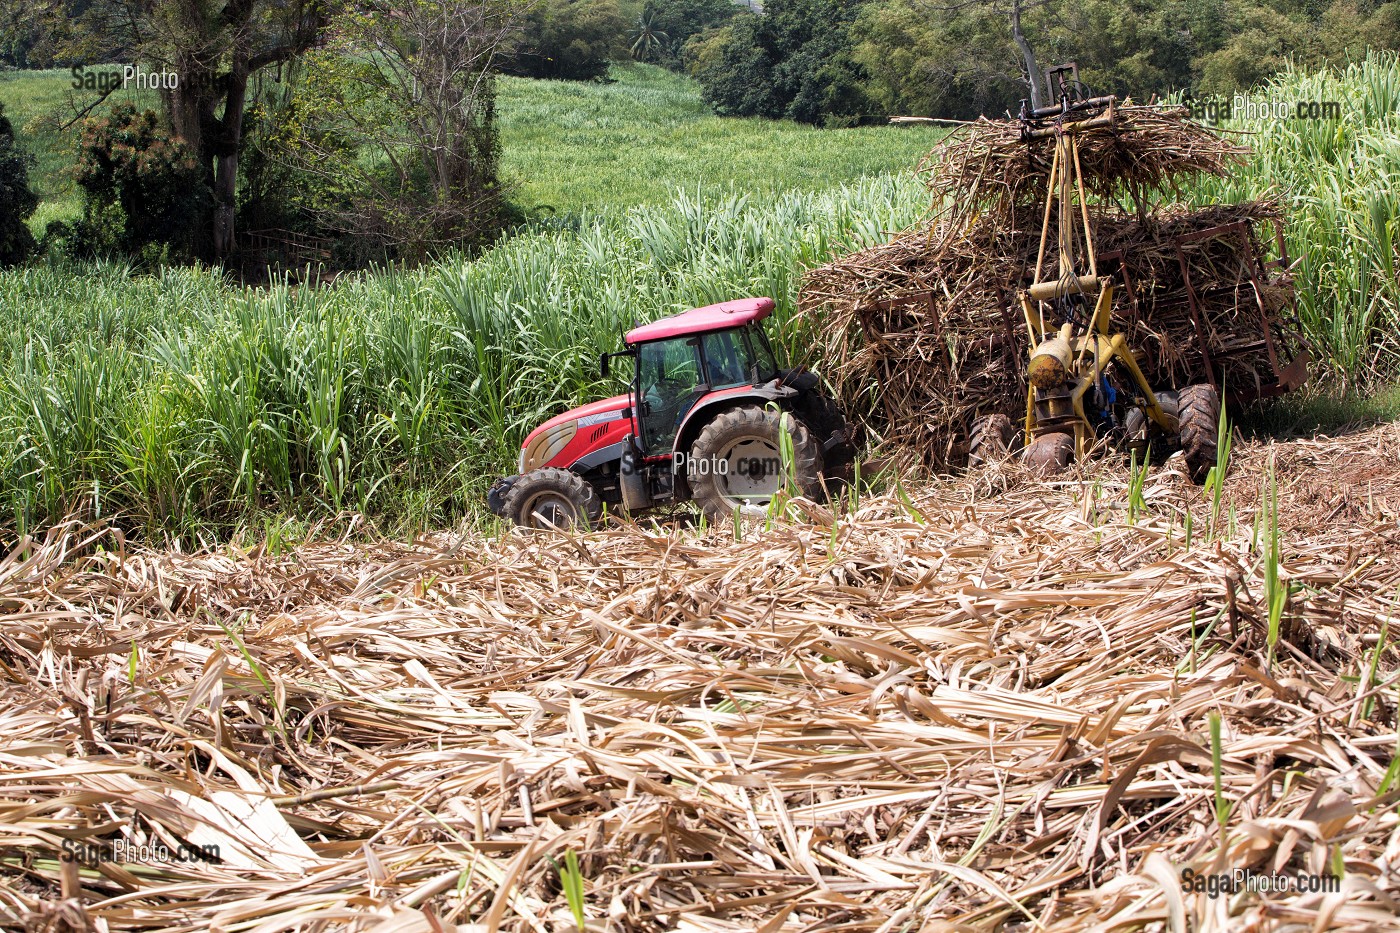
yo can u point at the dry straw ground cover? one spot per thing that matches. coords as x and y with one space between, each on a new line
985 702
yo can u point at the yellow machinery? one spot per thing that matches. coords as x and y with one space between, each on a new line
1073 398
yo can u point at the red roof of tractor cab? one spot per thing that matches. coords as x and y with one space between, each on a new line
701 320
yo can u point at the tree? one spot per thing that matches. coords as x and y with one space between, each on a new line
938 61
572 40
650 41
794 61
214 58
58 33
1261 40
17 201
679 20
1010 17
213 51
1136 48
397 114
960 60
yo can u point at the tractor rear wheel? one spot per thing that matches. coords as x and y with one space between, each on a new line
1049 454
990 440
551 498
1199 413
736 462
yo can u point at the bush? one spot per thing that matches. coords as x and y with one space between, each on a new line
17 201
143 190
569 39
273 192
793 61
400 151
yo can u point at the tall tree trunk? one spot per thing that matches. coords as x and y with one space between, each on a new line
1033 76
215 53
215 141
191 105
228 141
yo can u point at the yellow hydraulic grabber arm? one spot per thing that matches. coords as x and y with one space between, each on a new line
1070 400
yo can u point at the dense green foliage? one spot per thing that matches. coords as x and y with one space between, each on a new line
17 200
677 21
569 39
952 59
143 191
58 33
793 61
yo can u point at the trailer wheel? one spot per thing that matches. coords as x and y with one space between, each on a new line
991 439
1199 414
737 461
1049 454
551 498
1138 427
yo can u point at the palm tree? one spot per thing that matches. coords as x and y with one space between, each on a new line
649 40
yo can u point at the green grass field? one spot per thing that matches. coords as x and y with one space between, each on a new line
567 146
571 146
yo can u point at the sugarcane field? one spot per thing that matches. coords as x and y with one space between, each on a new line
623 466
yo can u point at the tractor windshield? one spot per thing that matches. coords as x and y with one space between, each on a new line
670 384
738 357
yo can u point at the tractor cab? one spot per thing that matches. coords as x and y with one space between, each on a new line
703 419
683 360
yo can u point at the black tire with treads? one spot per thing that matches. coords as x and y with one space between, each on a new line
552 498
1138 426
754 427
1198 411
1049 454
990 439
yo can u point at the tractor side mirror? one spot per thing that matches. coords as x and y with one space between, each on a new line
604 364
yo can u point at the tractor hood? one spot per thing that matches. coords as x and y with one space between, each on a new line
565 438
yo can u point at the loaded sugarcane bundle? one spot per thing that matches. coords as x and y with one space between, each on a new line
924 332
989 166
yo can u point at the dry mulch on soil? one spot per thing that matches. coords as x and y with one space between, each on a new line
979 705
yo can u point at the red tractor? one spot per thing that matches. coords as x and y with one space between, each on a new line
703 420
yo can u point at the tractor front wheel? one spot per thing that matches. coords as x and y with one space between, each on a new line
551 498
736 462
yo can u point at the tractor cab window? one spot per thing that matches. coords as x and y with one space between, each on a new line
738 357
762 352
670 384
